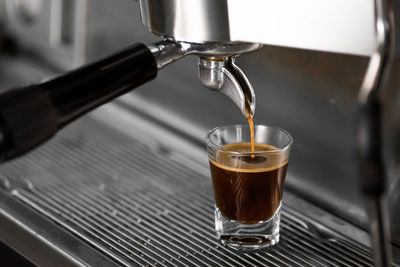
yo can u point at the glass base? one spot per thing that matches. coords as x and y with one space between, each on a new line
242 236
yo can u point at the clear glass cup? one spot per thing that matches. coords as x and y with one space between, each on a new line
248 186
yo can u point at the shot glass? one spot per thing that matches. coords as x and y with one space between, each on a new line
248 186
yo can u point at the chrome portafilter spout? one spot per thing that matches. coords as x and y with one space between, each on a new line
217 68
222 75
204 28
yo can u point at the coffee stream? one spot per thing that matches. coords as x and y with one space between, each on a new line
250 114
251 124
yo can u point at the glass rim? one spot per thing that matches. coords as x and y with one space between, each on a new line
210 143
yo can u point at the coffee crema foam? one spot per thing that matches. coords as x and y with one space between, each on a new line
238 157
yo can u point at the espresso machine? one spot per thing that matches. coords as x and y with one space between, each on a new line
215 34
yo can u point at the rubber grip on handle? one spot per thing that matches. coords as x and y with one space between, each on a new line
31 115
27 118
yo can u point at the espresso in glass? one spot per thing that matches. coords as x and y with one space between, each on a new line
248 188
248 183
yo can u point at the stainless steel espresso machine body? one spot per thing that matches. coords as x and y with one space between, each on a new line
222 25
216 33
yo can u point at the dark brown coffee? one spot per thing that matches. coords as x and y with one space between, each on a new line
248 188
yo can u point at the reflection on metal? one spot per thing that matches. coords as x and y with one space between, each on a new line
370 144
80 34
25 10
68 26
168 51
343 26
61 17
223 75
217 69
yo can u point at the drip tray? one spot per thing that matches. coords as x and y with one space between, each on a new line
100 196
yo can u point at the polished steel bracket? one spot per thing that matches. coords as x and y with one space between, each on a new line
369 145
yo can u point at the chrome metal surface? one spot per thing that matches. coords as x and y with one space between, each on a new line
344 26
26 10
142 201
168 51
215 73
379 226
37 237
195 21
44 28
221 49
223 75
370 144
382 56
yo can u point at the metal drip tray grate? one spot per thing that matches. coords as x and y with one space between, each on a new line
146 205
150 228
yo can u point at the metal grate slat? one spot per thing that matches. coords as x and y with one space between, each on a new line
199 225
58 217
318 247
102 223
145 217
138 222
342 255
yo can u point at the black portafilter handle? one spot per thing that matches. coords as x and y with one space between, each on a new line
31 115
